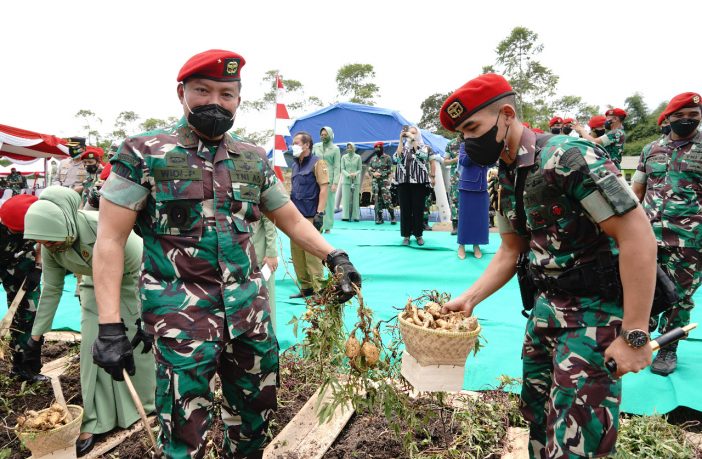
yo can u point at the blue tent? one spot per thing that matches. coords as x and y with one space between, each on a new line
363 125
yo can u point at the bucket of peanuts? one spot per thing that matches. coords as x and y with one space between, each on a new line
436 338
49 430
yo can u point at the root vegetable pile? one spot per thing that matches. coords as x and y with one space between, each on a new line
44 420
431 317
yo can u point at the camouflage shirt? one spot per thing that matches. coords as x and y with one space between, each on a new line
17 255
195 205
382 164
452 149
562 212
613 143
672 173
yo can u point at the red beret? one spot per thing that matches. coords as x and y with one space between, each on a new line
554 120
661 119
525 124
568 120
377 144
92 153
473 96
686 99
596 121
616 112
215 64
538 131
106 172
13 211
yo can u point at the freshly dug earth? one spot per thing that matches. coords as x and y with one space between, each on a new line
16 398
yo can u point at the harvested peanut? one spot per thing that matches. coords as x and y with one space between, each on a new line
370 352
353 347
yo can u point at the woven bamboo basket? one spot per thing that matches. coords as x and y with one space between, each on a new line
42 443
437 347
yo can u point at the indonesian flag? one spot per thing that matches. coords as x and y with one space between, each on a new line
281 130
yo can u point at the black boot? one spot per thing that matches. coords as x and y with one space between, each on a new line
454 227
25 370
666 361
392 218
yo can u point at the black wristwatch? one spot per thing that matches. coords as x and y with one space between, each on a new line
321 213
636 338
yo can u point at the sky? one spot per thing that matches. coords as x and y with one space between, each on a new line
61 57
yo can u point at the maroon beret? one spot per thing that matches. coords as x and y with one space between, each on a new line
616 112
473 96
537 130
13 211
215 64
686 99
554 120
596 121
378 144
568 120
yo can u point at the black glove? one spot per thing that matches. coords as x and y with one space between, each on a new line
31 354
338 263
142 337
318 220
112 350
32 280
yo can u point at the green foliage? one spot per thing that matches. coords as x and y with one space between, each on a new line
431 107
355 80
92 121
652 436
295 95
125 124
151 124
256 137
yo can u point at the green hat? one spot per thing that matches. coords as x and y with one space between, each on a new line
53 216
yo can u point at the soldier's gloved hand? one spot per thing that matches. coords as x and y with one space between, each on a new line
142 337
112 350
33 279
318 221
338 263
31 354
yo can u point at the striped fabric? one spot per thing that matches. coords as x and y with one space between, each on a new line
412 166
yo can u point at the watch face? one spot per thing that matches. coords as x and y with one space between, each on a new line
637 338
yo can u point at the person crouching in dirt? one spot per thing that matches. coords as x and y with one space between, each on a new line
67 236
18 263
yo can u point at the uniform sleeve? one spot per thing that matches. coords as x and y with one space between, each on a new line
502 224
345 164
321 172
52 281
125 185
640 175
335 174
273 194
271 237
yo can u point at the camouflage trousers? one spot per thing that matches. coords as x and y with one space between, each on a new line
453 197
568 396
21 328
683 265
248 370
383 199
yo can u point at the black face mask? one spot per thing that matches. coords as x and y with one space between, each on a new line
608 124
485 150
684 126
91 169
555 130
211 120
567 130
378 152
599 132
665 130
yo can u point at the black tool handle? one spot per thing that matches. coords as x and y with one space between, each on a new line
665 339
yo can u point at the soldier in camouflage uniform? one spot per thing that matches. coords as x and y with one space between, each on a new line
16 181
194 192
567 224
379 169
612 141
668 180
91 162
17 263
451 159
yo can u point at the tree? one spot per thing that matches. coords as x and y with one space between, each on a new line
295 94
124 124
355 80
92 121
431 107
574 106
256 137
151 124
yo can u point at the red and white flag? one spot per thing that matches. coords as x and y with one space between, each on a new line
281 130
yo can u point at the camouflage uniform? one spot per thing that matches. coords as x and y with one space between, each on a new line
203 294
381 185
452 153
671 171
613 144
16 182
17 260
90 193
568 396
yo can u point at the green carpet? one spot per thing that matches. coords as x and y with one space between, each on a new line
392 273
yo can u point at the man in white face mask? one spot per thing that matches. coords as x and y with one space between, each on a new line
310 185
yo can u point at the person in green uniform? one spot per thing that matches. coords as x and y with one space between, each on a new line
451 160
91 162
331 154
613 140
16 181
351 166
264 236
571 220
67 236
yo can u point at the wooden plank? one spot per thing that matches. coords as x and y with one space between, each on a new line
111 442
303 436
66 336
517 443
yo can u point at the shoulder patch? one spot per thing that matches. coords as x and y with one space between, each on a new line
129 159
